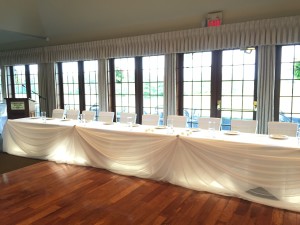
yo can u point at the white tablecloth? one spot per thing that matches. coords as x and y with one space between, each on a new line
248 166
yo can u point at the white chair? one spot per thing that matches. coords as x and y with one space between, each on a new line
284 128
124 116
204 122
88 115
178 121
72 114
246 126
58 113
150 119
106 117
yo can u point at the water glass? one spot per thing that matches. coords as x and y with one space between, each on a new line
212 128
43 115
170 126
82 118
130 122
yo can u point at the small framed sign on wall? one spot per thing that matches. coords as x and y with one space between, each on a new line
214 19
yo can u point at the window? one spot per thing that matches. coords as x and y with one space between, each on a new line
70 85
217 84
153 86
91 86
77 85
238 86
125 86
289 94
196 86
22 82
34 84
137 86
19 78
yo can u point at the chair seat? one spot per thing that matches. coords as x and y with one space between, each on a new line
178 121
124 116
58 113
285 128
150 119
107 117
88 115
204 122
72 114
246 126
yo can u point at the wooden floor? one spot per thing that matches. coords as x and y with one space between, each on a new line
50 193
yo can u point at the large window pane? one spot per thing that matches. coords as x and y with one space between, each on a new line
125 86
238 78
20 81
21 74
91 86
196 86
70 85
153 85
289 109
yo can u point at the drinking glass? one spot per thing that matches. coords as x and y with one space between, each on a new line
43 115
82 118
170 126
129 122
212 128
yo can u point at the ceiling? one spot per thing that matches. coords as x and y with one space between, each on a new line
37 23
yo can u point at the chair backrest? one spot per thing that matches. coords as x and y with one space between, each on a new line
72 114
58 113
88 115
124 116
178 121
246 126
204 122
285 128
150 119
106 117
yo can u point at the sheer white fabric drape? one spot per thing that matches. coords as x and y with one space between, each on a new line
170 86
47 87
102 87
265 87
285 30
3 82
251 166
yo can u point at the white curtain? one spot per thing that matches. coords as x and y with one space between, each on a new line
170 86
3 82
265 87
47 90
253 33
102 87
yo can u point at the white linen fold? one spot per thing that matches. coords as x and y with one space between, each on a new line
248 166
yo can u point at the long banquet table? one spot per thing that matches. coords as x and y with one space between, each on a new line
249 166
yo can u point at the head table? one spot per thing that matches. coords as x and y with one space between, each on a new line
249 166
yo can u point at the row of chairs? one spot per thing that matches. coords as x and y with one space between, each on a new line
246 126
88 115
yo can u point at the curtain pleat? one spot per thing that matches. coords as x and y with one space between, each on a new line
170 86
265 89
103 87
274 31
47 90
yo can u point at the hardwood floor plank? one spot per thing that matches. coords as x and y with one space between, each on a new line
49 193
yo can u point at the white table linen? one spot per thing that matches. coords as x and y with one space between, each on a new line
248 166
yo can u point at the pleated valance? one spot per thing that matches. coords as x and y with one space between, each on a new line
276 31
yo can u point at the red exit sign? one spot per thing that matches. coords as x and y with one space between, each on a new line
214 23
214 19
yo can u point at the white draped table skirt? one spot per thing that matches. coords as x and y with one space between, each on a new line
249 166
